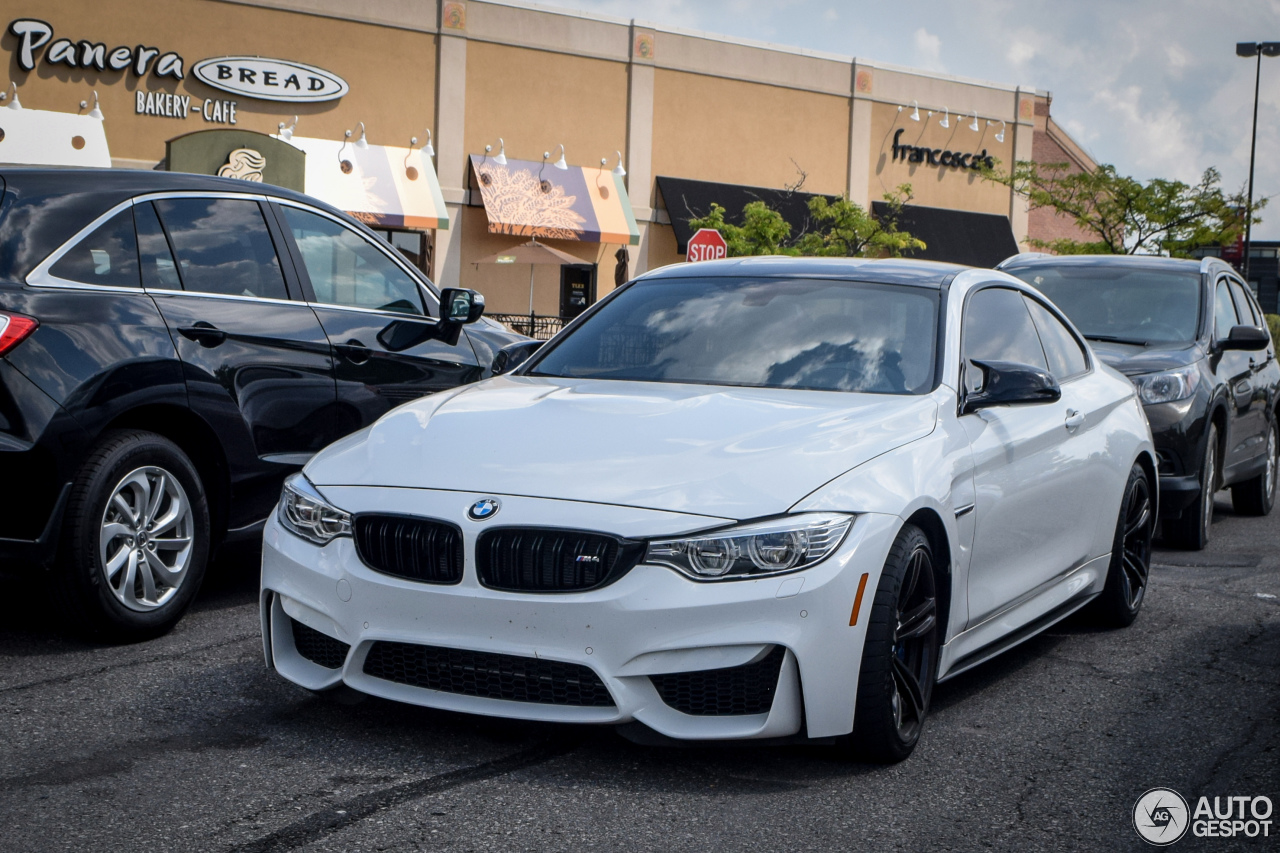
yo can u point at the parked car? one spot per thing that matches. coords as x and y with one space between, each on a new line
1195 343
752 498
171 347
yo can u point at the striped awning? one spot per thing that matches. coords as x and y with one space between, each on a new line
531 199
382 185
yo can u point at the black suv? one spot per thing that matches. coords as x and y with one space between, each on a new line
1195 343
172 347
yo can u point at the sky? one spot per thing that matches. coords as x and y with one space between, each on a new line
1151 86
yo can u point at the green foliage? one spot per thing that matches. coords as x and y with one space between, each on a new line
1273 324
1123 215
841 229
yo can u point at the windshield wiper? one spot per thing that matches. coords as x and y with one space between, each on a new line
1112 339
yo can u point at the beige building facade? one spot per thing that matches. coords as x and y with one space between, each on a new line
470 73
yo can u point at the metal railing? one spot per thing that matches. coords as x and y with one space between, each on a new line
532 325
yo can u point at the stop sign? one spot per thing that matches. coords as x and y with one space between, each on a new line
707 245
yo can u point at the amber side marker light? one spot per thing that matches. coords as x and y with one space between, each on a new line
857 601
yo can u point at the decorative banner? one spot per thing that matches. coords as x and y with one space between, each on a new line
237 153
270 79
587 203
45 138
382 185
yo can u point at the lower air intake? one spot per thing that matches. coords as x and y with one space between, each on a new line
488 675
736 690
317 647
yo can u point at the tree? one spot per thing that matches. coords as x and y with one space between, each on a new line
842 229
1125 216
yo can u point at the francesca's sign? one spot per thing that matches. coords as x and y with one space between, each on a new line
270 79
940 157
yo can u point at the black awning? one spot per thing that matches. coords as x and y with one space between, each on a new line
686 199
956 236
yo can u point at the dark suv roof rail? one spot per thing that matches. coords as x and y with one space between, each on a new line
1021 256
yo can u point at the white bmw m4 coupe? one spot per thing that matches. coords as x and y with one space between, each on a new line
761 498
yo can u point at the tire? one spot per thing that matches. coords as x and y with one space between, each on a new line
1258 496
1191 530
887 720
1130 567
117 578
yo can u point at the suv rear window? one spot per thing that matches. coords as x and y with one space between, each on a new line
108 256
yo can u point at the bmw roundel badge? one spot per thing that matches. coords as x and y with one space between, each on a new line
483 509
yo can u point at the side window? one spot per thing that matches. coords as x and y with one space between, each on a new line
222 246
1244 306
1065 355
108 256
997 327
158 268
346 269
1224 313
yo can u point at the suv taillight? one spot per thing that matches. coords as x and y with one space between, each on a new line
14 329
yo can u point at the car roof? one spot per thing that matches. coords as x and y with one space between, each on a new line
130 182
879 270
1153 263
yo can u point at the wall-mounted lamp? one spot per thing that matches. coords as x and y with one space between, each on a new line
1000 135
559 164
501 159
946 118
361 142
95 112
617 170
14 103
915 112
427 149
974 124
285 131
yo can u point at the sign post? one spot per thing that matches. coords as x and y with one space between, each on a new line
707 245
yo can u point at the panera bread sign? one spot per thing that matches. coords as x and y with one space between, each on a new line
248 76
270 79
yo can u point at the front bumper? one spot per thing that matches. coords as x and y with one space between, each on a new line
652 621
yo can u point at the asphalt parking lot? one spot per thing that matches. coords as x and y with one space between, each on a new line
189 743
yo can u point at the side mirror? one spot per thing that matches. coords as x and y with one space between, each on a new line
1007 383
459 305
1246 338
513 355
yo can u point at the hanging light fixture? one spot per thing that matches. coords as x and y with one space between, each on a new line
1000 135
95 112
946 118
361 142
559 164
974 124
429 149
915 112
618 170
285 131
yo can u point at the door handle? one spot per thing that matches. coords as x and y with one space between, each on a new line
205 334
1074 420
354 351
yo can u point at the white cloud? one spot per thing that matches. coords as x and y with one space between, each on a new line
830 15
928 50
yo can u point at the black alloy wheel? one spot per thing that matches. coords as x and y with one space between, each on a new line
900 654
1130 567
1191 530
1258 495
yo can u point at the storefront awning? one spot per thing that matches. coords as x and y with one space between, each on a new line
589 204
686 199
46 138
382 185
956 236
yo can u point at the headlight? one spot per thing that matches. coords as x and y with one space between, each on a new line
765 548
1169 386
304 512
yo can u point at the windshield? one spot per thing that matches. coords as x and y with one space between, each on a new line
766 333
1139 306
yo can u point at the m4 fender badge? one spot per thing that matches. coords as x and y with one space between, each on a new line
483 509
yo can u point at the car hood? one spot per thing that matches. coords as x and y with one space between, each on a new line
1136 359
713 450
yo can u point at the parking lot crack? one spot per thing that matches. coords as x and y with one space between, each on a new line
338 816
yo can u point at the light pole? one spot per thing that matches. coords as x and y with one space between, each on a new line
1258 49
